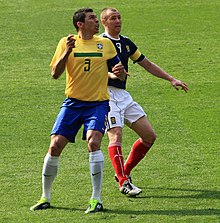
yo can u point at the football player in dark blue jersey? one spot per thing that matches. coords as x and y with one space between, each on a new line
124 110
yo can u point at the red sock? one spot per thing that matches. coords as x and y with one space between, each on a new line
138 152
116 157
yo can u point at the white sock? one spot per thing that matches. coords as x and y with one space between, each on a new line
96 160
49 173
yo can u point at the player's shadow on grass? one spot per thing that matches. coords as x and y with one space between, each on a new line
180 193
67 208
182 212
172 193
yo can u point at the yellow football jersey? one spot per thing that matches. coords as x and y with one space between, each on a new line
86 67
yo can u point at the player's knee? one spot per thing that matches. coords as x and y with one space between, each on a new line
94 140
55 150
149 141
93 145
115 135
57 145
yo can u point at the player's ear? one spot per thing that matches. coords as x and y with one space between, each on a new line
79 24
103 22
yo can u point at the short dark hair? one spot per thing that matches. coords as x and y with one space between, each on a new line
79 16
104 12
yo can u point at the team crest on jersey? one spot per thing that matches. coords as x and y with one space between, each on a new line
128 48
100 46
113 120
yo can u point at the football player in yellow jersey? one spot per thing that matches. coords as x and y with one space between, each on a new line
85 58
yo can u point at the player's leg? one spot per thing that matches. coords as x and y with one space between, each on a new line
94 127
115 153
96 164
51 163
50 169
61 134
139 149
118 102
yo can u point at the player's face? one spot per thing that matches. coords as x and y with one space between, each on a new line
113 22
91 23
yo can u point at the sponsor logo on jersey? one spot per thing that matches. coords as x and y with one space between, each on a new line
128 48
113 120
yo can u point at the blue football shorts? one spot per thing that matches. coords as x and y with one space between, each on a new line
74 113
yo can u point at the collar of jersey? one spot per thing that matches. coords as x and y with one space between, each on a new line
82 40
111 36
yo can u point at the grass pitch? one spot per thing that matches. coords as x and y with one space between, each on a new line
179 176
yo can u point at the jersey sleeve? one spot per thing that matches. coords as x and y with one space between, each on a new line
59 51
111 47
113 61
136 55
113 57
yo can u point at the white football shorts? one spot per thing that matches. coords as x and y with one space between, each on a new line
123 109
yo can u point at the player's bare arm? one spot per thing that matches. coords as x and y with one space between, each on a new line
159 72
112 76
59 67
120 77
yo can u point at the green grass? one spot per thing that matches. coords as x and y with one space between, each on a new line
179 176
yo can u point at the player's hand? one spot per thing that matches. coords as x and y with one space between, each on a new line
119 71
177 83
70 43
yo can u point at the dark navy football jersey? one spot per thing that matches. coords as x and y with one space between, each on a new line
125 48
